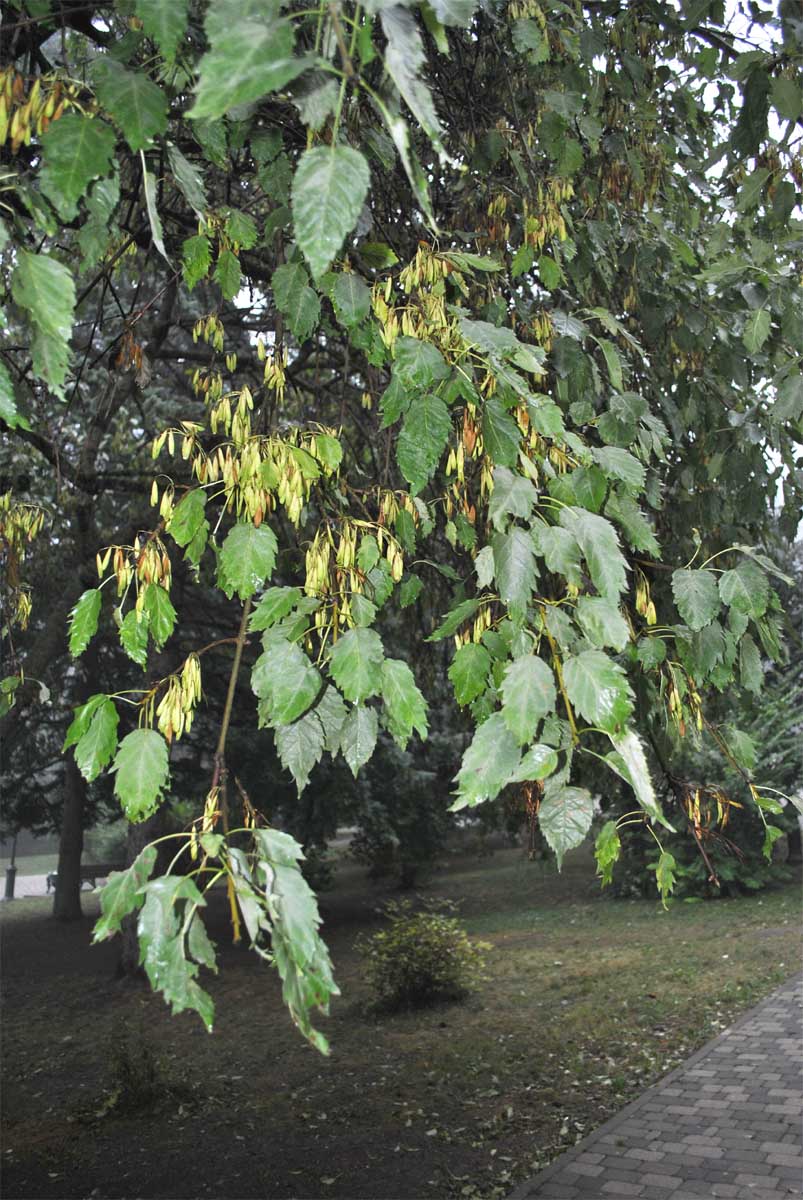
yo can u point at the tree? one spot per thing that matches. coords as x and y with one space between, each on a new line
498 299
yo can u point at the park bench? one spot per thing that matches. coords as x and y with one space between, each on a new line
89 873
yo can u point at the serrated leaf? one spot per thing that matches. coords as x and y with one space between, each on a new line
488 763
329 187
285 679
538 762
165 21
501 434
458 13
484 567
598 689
410 590
136 103
621 464
250 54
97 744
528 694
46 289
241 229
600 546
300 747
745 589
514 568
422 440
756 330
161 613
469 672
602 622
696 596
405 707
637 773
247 558
81 719
355 664
161 942
454 619
196 259
228 274
75 150
751 672
8 404
404 57
351 298
512 496
665 870
122 894
275 604
607 849
332 713
83 623
358 736
188 180
142 773
560 550
154 220
296 299
188 516
565 818
134 636
417 364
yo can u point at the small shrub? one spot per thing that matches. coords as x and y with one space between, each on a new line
421 958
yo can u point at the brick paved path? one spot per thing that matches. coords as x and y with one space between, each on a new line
726 1123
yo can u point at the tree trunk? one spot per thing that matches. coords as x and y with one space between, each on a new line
67 902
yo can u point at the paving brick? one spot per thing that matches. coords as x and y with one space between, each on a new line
615 1188
762 1181
587 1169
663 1182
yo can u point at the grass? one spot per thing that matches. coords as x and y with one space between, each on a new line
588 1001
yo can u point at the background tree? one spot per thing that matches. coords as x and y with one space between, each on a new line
492 311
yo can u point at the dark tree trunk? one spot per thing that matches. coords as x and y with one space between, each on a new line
67 902
795 837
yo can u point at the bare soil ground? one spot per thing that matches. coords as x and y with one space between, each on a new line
588 1001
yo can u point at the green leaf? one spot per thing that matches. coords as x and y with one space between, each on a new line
161 613
756 330
329 188
501 434
560 550
696 596
247 558
602 622
8 404
227 273
512 496
165 21
355 664
538 762
273 605
745 589
487 764
122 894
565 818
351 298
469 672
607 849
81 719
46 289
613 362
751 672
637 773
454 619
75 150
188 517
285 679
134 636
404 57
405 707
332 713
598 689
787 98
250 54
422 440
83 623
514 568
137 105
300 747
142 771
241 229
620 464
296 299
771 835
157 233
358 736
665 875
528 693
417 364
188 180
410 590
96 746
161 943
196 259
600 545
454 12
